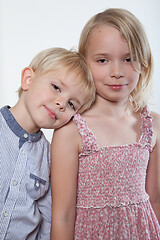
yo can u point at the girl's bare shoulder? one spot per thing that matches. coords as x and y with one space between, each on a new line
156 120
156 128
67 135
69 129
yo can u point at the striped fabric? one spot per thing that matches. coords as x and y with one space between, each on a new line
25 196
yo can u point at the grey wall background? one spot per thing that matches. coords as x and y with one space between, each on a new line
29 26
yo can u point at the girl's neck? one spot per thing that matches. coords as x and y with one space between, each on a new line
113 109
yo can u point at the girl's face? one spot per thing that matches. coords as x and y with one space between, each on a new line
109 59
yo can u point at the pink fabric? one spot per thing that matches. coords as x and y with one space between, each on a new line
111 199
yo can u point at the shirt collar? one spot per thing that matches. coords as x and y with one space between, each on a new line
17 129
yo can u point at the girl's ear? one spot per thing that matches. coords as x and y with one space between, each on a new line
26 78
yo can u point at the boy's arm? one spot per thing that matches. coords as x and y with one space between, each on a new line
153 170
64 170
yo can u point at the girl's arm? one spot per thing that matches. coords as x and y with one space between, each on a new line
153 171
65 149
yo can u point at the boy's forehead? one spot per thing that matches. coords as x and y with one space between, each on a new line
66 69
66 74
74 74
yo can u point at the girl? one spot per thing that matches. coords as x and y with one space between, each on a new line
106 181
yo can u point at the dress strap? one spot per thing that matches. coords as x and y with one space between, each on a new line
147 128
89 142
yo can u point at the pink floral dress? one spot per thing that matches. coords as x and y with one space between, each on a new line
111 199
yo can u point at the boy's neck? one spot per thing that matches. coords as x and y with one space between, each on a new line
23 118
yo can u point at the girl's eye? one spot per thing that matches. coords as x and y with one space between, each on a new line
56 87
71 105
128 60
102 60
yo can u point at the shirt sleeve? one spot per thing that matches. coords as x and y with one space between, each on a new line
45 207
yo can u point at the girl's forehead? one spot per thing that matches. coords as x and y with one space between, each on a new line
107 38
106 30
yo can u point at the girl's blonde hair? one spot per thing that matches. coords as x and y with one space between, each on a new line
132 30
58 58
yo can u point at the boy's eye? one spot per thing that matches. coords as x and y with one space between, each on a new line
56 87
102 60
71 105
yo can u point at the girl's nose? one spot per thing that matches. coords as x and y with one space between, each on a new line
117 70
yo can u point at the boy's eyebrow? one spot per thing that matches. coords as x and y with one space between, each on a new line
74 99
78 101
62 82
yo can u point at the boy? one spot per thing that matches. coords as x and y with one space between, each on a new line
55 86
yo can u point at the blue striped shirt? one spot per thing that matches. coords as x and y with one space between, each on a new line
25 195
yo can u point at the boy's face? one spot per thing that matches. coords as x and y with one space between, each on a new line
50 99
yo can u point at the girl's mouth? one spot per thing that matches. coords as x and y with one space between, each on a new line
117 87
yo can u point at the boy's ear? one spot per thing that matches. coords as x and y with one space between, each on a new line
26 78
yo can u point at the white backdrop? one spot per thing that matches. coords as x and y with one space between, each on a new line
29 26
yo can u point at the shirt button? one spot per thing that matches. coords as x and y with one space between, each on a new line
25 135
15 183
23 152
5 214
37 184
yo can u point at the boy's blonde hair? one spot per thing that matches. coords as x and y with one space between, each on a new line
132 30
57 58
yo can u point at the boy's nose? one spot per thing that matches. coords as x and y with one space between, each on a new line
117 70
61 105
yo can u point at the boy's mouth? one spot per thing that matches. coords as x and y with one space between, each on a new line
51 113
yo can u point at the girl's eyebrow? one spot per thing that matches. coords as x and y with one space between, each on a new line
127 54
108 54
101 54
